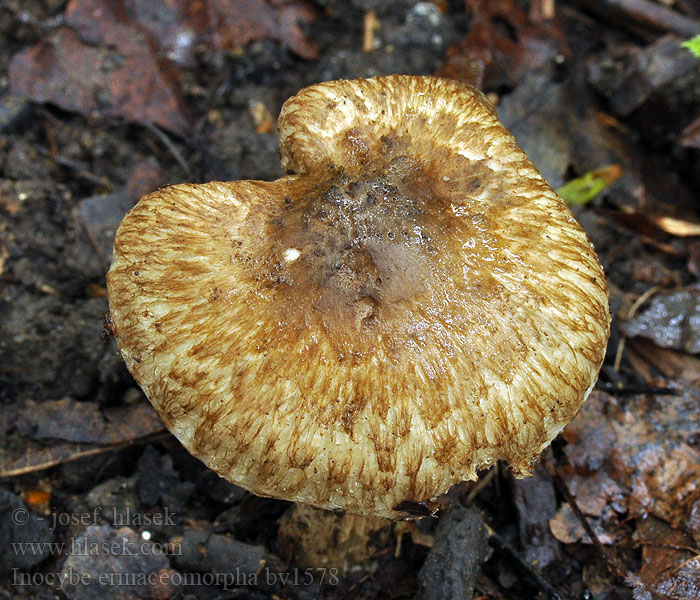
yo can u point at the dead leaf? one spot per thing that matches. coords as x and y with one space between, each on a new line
591 438
235 23
566 527
99 81
630 76
178 27
670 320
502 45
671 363
665 481
596 491
100 215
670 562
57 431
117 58
72 421
642 447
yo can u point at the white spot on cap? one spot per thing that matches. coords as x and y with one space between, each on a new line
291 254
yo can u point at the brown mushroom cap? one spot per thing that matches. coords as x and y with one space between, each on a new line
412 303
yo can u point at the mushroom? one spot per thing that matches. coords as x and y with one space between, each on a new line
409 305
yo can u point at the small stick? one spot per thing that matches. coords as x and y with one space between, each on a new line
16 472
634 390
644 12
95 245
630 314
614 565
480 485
168 143
641 300
371 26
542 583
77 168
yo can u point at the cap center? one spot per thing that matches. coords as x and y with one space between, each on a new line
354 247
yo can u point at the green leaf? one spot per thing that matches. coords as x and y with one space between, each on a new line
583 189
693 44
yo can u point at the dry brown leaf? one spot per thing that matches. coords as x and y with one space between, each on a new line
671 363
643 447
670 560
124 80
116 58
670 319
489 57
566 527
596 491
235 23
57 431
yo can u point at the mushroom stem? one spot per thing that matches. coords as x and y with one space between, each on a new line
322 539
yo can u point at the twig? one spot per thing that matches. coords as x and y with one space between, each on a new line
480 485
634 390
612 562
541 582
644 12
641 300
95 245
167 142
4 474
636 305
371 26
542 10
77 168
619 353
695 551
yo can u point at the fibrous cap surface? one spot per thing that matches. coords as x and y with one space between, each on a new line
410 304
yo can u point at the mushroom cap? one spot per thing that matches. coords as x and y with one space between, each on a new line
411 304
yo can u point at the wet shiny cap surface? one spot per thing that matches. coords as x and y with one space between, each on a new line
410 304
